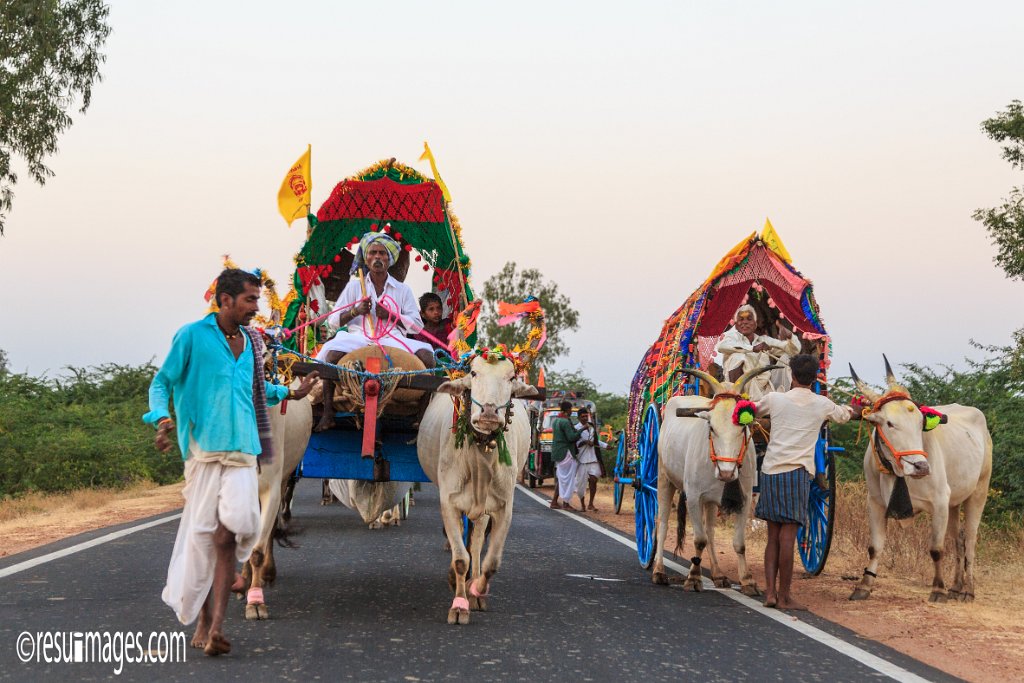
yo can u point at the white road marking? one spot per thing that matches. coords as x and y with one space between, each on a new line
106 538
827 639
591 577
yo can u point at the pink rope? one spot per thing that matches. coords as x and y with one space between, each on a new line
289 333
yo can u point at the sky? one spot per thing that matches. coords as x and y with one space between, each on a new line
619 148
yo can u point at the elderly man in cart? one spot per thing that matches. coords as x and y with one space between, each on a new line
742 349
377 309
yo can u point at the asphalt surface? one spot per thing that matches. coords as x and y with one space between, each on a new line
355 604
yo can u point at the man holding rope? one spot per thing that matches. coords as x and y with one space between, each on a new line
380 311
214 371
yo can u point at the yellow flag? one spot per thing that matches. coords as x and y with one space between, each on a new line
774 242
429 156
293 197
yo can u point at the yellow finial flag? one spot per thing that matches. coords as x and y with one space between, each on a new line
293 197
774 242
429 156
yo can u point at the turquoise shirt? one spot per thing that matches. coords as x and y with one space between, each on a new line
212 391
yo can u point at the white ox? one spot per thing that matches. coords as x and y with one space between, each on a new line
943 470
469 478
701 453
290 433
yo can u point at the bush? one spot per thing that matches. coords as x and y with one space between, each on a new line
80 430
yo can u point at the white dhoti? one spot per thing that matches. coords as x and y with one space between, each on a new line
584 471
565 473
347 342
215 493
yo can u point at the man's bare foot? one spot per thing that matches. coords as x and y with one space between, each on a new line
555 505
326 422
217 645
592 508
791 604
239 585
201 635
770 601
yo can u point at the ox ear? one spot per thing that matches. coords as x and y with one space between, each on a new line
521 389
455 387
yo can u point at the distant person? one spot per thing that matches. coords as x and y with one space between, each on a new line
432 312
590 467
742 349
214 373
564 453
787 471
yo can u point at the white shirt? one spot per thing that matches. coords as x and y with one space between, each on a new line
399 291
587 453
796 419
733 342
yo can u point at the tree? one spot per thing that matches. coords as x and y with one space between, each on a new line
1005 223
49 56
513 286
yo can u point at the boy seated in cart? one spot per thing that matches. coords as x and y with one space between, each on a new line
434 323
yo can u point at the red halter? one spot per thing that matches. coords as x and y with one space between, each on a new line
883 466
715 457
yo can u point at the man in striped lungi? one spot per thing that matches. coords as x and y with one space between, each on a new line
787 471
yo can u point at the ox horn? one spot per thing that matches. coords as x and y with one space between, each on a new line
747 376
700 374
890 377
863 387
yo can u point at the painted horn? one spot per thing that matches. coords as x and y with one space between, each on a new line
716 386
890 377
747 376
863 387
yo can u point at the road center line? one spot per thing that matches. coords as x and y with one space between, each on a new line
85 545
827 639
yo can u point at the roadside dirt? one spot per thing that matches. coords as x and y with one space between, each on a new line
981 641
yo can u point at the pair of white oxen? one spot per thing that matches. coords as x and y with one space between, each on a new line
470 479
943 471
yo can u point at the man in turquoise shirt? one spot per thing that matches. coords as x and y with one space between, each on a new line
213 372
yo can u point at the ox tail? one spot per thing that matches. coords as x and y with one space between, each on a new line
283 532
732 498
680 521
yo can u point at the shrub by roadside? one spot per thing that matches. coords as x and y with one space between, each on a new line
77 431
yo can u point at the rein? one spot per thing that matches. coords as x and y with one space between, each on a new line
715 458
883 465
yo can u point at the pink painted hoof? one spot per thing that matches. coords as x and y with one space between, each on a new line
461 604
254 596
477 594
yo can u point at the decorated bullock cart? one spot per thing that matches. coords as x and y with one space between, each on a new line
757 271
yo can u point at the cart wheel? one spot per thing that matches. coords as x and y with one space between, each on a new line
646 500
620 467
815 540
465 530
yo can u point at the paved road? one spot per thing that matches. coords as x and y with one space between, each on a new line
354 604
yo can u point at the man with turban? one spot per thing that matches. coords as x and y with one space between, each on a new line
742 349
376 253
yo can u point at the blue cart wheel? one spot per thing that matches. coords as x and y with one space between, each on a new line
646 501
815 540
620 471
465 530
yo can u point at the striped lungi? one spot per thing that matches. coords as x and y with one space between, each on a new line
784 497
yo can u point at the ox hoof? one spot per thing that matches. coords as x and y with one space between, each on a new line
659 578
256 612
457 616
693 584
860 594
721 581
967 597
937 597
752 590
478 604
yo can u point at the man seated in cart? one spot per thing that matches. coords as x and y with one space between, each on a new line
742 349
387 313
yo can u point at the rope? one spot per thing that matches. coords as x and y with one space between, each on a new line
445 363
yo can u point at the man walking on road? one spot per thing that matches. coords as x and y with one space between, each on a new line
590 467
564 453
214 371
787 471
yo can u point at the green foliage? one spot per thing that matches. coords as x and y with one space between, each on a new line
49 57
1005 223
79 431
513 286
